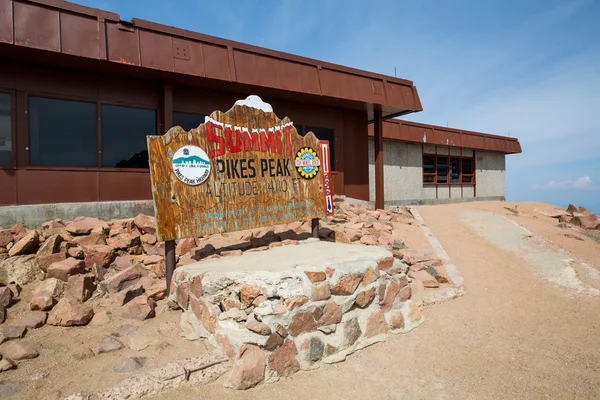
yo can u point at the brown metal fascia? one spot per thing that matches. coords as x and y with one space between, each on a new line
76 8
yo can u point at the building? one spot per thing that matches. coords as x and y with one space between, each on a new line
80 90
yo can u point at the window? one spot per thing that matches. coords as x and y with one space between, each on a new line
187 121
440 169
324 134
5 130
124 131
62 133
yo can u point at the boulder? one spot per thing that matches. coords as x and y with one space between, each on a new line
70 312
185 246
76 252
26 245
140 308
145 223
46 294
118 281
248 369
85 225
157 290
5 237
20 269
93 239
18 231
34 320
283 360
81 287
45 261
6 296
573 209
10 332
50 246
148 238
55 227
19 350
369 240
585 221
63 269
124 241
423 276
100 255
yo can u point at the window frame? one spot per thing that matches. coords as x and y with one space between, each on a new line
448 157
13 129
99 103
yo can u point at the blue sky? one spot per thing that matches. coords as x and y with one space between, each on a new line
529 69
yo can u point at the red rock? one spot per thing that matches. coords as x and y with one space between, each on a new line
353 234
273 342
301 323
275 244
148 238
329 272
63 269
46 294
368 240
140 308
364 298
415 312
70 312
146 223
157 290
18 231
34 320
55 227
396 320
280 330
332 314
81 287
370 276
230 253
589 221
346 285
207 313
403 280
15 288
315 276
118 281
385 263
232 302
122 262
5 237
342 237
124 241
100 255
249 368
258 327
226 345
182 295
184 246
84 225
283 360
76 252
376 324
50 246
93 239
196 287
45 261
296 301
392 290
411 259
154 259
248 293
428 280
573 209
290 242
19 350
419 266
26 245
320 291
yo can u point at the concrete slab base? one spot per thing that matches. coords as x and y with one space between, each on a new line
294 307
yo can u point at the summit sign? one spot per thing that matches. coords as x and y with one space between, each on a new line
241 169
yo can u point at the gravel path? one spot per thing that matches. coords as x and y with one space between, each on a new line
514 335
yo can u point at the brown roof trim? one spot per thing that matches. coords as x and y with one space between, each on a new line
96 34
415 132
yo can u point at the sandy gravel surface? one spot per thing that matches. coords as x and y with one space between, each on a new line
514 335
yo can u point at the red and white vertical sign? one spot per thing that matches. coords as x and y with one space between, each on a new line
327 178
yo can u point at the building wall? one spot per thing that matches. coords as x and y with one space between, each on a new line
403 174
22 183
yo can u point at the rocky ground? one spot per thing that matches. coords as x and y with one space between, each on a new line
90 294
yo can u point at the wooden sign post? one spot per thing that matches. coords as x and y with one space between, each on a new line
241 169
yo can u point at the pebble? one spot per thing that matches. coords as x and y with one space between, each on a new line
129 365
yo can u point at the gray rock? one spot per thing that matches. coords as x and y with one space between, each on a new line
399 245
2 314
6 364
83 354
9 332
315 349
109 344
327 329
9 389
6 296
351 332
129 365
34 320
432 271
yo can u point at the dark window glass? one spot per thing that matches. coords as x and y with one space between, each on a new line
300 129
428 167
442 169
187 121
5 130
467 179
455 170
429 178
467 166
124 131
62 133
324 134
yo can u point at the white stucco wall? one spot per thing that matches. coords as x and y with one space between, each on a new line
403 173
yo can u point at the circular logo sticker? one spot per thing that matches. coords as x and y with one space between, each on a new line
307 162
191 165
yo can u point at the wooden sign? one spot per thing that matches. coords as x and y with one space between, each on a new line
239 170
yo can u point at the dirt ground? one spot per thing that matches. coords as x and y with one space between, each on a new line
514 335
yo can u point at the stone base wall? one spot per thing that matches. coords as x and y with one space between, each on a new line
274 323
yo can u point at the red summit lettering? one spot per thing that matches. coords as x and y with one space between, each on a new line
287 130
219 140
267 142
237 146
251 140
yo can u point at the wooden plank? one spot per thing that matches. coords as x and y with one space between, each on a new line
241 169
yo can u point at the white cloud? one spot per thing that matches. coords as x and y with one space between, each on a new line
583 182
